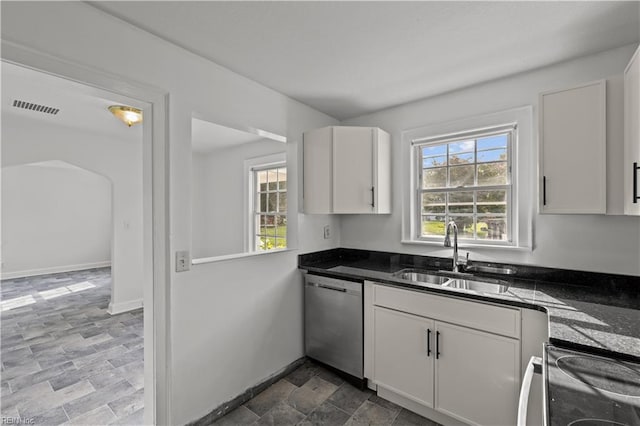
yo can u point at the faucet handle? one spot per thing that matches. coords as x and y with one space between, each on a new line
468 264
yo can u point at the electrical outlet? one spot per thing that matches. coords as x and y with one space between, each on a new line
327 232
183 263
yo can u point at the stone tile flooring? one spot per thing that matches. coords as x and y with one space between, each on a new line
65 360
311 395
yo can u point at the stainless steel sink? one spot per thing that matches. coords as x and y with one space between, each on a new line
502 270
479 286
420 276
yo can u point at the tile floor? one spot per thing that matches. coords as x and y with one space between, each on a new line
65 360
312 395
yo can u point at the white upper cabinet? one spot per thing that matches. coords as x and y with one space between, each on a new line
573 150
632 136
347 170
317 166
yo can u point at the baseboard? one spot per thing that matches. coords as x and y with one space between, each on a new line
53 270
118 308
245 396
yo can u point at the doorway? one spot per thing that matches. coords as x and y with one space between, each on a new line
154 198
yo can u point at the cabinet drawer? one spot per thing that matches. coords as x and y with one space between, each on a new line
494 319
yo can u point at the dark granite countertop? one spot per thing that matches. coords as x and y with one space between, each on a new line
592 312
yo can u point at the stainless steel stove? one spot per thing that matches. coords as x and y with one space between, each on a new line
589 390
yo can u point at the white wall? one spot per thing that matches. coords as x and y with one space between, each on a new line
54 218
199 207
583 242
25 141
219 311
219 197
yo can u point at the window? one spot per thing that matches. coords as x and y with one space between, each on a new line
466 177
477 171
269 212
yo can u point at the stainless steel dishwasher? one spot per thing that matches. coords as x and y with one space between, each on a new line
334 323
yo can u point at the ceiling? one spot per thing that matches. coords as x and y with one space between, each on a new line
80 106
351 58
85 108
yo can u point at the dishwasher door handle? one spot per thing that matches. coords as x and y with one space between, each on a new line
343 290
534 367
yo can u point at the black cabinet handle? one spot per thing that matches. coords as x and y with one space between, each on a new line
635 183
437 344
373 196
428 342
544 190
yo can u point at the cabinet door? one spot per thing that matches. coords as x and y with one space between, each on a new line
401 362
573 150
317 158
632 136
382 171
353 188
477 375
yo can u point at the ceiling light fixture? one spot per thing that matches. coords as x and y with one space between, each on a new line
129 115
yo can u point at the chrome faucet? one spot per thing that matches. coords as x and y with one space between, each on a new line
447 242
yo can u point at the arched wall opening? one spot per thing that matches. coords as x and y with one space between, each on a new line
55 217
119 160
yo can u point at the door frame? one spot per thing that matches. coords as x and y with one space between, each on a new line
157 267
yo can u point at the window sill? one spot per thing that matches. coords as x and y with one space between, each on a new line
226 257
469 245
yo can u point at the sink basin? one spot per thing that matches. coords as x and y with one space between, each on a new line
420 276
453 280
502 270
479 286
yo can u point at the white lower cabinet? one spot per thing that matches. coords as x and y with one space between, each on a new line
400 346
467 374
477 375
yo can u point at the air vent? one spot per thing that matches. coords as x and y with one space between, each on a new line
35 107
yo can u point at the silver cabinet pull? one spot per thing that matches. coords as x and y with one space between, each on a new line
343 290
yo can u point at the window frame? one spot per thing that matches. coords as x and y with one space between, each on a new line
417 144
523 174
252 166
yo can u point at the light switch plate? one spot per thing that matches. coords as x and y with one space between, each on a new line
183 263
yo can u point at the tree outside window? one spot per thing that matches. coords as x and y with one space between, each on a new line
468 181
270 208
